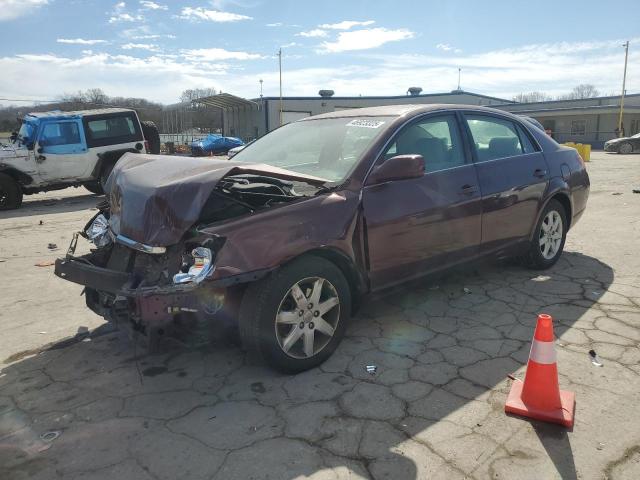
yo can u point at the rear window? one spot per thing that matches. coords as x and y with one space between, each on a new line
112 129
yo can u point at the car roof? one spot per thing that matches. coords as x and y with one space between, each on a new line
77 113
401 110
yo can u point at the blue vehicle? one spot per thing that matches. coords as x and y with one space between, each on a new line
214 144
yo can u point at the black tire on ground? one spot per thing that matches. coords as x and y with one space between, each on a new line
625 148
152 136
10 193
263 299
535 258
104 174
94 187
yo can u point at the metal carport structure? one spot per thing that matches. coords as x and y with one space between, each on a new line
239 115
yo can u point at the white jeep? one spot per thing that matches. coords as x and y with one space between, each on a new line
55 150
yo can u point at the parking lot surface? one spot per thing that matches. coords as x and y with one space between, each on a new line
78 401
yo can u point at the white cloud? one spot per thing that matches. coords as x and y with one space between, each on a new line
199 13
150 47
276 24
445 47
315 33
154 36
553 68
10 9
215 54
125 17
346 25
147 5
365 39
79 41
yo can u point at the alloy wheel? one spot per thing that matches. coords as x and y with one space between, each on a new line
307 317
550 235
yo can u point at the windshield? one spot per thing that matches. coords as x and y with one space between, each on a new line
26 133
327 148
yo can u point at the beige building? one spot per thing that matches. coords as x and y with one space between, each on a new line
592 120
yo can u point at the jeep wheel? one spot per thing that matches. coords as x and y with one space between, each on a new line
295 318
94 187
104 175
10 193
152 136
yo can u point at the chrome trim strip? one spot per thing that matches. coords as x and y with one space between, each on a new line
141 247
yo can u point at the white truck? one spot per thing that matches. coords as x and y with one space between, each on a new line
54 150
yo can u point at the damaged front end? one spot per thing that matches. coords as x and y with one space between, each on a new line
159 290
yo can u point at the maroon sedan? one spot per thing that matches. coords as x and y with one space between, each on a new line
287 238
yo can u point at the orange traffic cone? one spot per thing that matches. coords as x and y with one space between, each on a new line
539 396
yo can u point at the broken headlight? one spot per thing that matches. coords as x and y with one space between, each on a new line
98 231
200 269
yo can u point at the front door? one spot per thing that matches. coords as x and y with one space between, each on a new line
61 151
420 225
513 176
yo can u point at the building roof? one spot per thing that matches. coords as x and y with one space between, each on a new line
390 97
576 110
78 113
547 102
398 110
225 100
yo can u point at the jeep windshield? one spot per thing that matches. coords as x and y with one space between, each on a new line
27 132
328 148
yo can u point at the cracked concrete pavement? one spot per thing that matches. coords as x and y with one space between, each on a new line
434 408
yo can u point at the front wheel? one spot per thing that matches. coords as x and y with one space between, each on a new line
295 318
548 240
10 193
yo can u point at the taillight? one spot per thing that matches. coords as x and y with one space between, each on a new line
146 146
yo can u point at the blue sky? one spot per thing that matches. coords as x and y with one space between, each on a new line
156 49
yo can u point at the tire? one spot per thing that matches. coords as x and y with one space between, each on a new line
539 256
625 148
10 193
104 175
272 297
94 187
152 136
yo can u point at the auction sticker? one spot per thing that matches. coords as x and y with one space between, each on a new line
361 122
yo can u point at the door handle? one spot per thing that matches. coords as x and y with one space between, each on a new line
41 158
467 190
540 173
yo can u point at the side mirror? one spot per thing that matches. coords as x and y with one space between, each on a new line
400 167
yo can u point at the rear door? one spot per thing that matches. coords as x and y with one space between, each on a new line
513 178
61 151
419 225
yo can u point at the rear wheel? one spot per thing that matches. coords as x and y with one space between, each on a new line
152 136
548 240
94 187
294 319
10 193
625 148
104 175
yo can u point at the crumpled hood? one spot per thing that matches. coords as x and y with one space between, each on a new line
155 199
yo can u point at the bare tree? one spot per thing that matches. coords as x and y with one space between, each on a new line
95 95
196 93
531 97
584 90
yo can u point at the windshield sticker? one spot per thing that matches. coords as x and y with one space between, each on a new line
359 122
